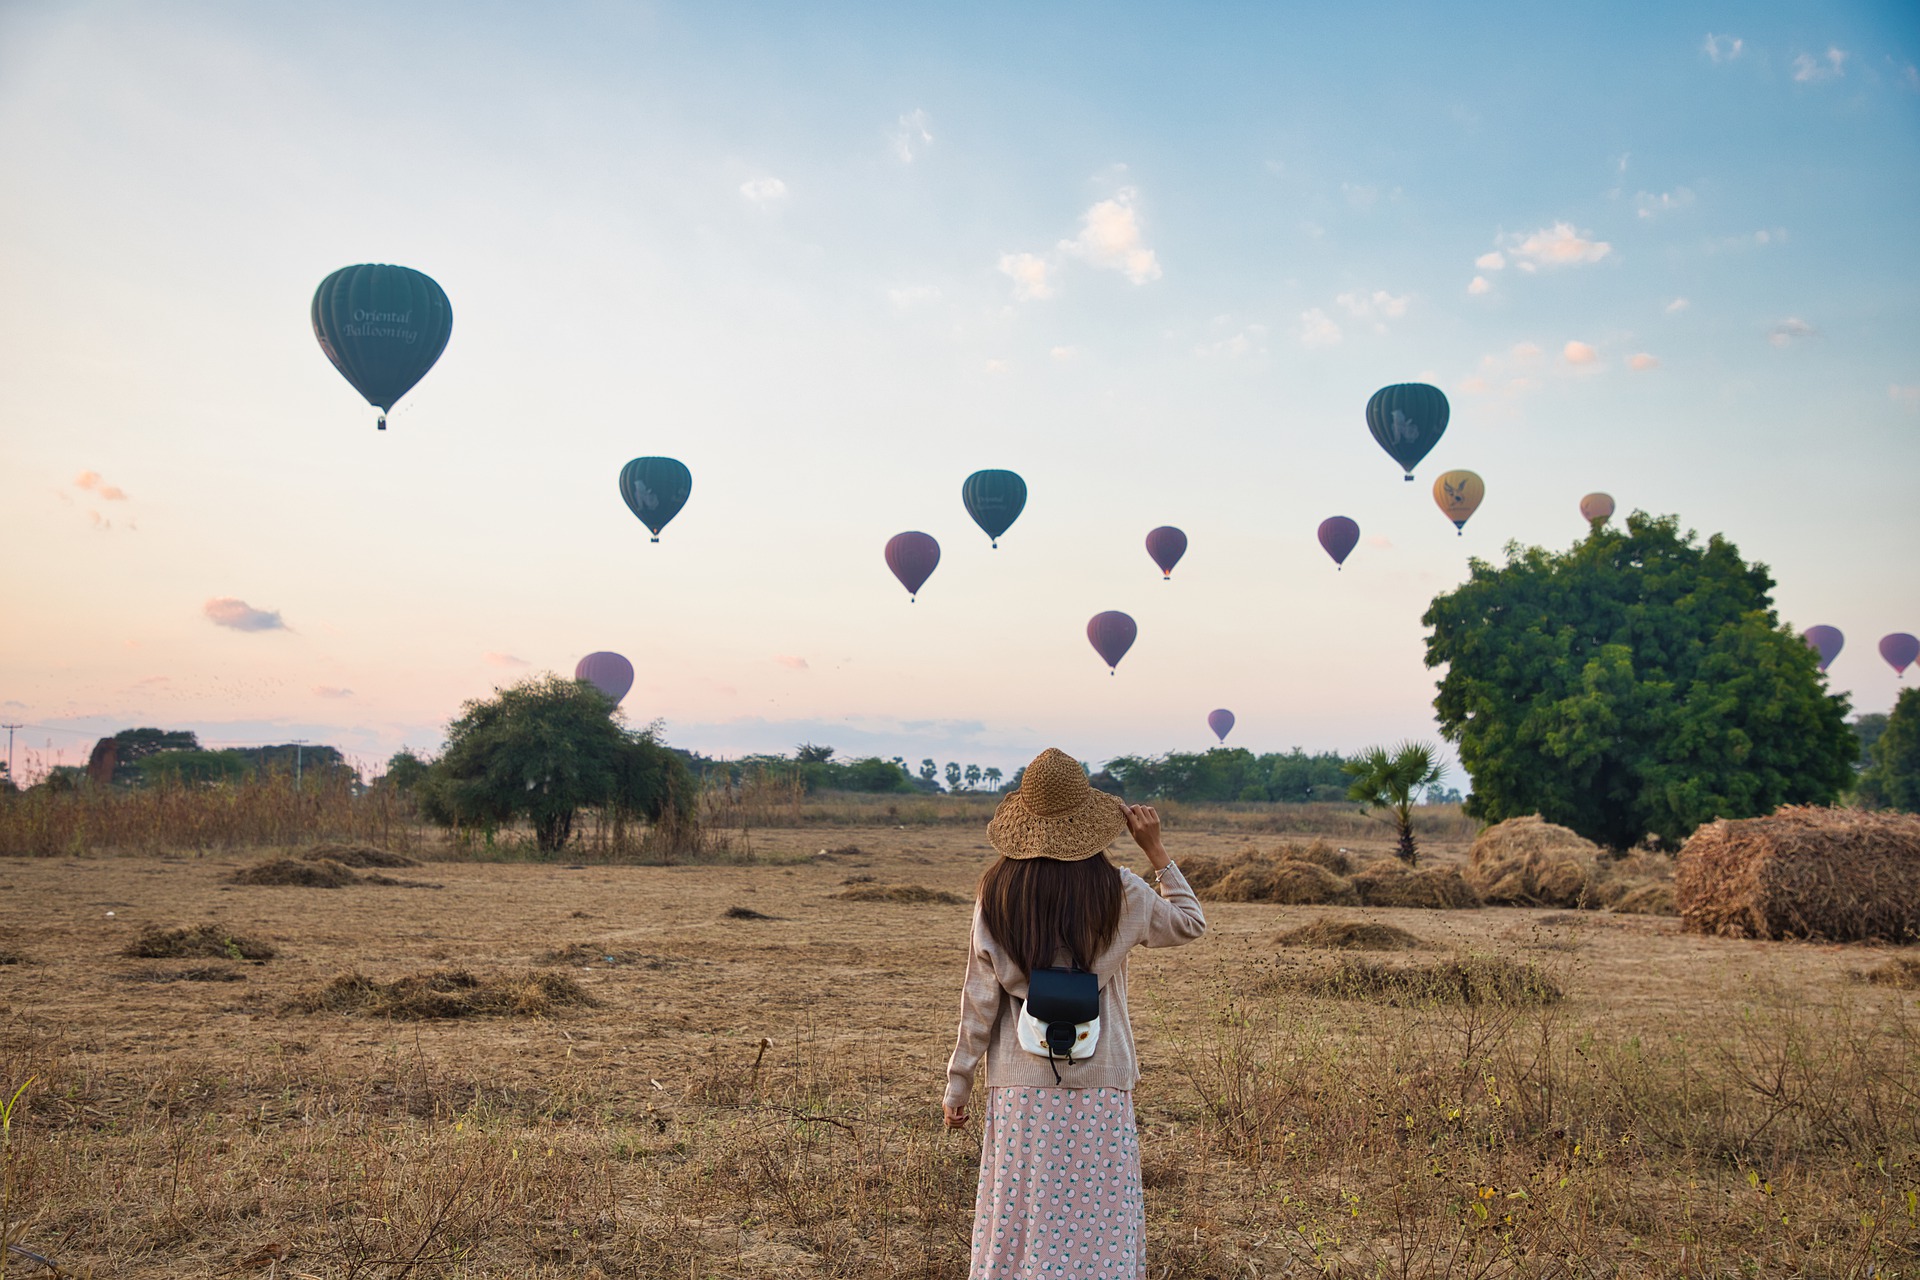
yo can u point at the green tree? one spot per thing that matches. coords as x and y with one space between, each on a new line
1893 780
405 770
193 768
953 776
1393 780
929 771
972 776
544 749
1636 683
808 753
1868 727
992 775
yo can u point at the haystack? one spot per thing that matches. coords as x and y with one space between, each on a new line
1349 935
1530 862
900 893
1843 875
357 855
1338 861
1288 883
445 993
1391 883
304 875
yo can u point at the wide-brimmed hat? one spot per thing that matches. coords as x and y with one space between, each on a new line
1056 813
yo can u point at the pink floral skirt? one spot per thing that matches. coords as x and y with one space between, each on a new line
1059 1187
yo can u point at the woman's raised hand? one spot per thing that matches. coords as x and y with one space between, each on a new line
1143 823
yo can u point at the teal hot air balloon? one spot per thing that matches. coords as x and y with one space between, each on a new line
655 489
1407 420
995 500
383 327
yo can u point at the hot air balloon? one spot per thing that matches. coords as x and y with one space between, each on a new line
1825 641
1407 420
1166 545
995 500
608 672
655 489
1596 506
912 557
1899 649
383 327
1111 634
1221 722
1458 494
1338 537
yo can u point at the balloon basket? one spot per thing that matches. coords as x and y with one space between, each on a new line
654 538
381 424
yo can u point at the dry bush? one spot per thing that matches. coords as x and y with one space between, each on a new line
1391 883
1461 979
1901 971
200 941
289 871
1349 935
899 893
1843 875
445 993
357 855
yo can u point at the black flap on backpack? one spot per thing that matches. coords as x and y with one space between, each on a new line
1063 995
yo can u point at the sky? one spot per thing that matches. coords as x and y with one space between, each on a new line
835 257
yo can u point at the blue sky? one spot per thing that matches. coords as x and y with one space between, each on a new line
837 257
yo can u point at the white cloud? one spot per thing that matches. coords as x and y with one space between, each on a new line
1910 76
1642 362
497 659
1678 305
1360 197
1525 353
331 691
1028 271
1906 397
1317 329
764 190
1110 237
1650 205
911 136
1478 285
92 481
1064 354
1579 353
238 615
913 295
1378 306
1557 246
1723 48
1789 330
1808 69
1491 260
791 662
997 366
1249 341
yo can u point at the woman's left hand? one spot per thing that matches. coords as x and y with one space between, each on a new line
956 1116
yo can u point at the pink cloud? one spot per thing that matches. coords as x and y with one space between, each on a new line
92 480
1643 362
790 662
331 691
1579 353
238 615
495 659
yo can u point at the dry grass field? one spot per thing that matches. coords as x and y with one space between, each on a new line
511 1069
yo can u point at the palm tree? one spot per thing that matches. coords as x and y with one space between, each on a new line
1392 780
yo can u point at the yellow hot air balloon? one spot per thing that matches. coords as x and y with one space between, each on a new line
1459 494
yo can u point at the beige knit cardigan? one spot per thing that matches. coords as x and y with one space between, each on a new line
995 987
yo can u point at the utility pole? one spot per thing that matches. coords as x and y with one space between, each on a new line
10 728
298 744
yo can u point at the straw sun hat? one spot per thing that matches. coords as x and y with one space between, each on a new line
1056 813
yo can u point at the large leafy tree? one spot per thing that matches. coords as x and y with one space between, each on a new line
1637 683
1893 779
543 750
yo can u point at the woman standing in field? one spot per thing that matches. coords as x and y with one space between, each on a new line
1060 1158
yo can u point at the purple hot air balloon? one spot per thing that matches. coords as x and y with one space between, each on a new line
1221 722
608 672
1596 506
1166 545
1111 634
1339 536
912 557
1899 649
1825 641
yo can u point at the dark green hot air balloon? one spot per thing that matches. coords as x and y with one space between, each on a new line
655 489
1408 420
383 327
995 500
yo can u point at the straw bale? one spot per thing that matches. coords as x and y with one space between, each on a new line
1647 900
1391 883
1843 875
1338 861
1349 935
1530 862
1288 883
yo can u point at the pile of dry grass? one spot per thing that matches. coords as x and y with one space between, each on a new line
1392 883
357 855
585 954
192 973
445 993
899 893
1843 875
1902 972
301 875
1530 862
1349 935
10 956
1465 979
1283 881
745 913
198 942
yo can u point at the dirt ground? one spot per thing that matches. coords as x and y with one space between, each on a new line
693 982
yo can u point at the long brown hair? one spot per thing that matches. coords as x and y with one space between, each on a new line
1034 907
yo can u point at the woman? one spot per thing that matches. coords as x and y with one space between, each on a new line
1060 1158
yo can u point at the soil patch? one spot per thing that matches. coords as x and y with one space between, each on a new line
1349 935
899 893
445 993
200 941
357 855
